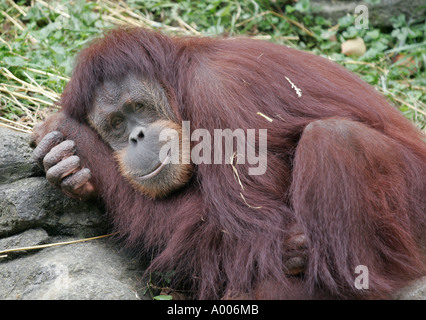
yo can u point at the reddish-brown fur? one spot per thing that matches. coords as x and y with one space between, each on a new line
355 183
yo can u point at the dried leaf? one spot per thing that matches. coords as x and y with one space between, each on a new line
354 47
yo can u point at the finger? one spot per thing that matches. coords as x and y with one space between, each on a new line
295 266
64 168
76 180
48 142
78 185
297 238
297 242
63 150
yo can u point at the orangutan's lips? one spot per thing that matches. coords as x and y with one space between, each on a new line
156 170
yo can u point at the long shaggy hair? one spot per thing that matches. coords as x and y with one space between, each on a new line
227 235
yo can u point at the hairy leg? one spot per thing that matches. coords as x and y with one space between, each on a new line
352 192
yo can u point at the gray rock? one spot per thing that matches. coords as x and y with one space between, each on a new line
32 212
16 160
379 14
32 202
29 238
89 270
28 201
415 291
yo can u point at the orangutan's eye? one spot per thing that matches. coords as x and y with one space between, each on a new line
117 122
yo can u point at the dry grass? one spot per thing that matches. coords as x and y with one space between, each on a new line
35 99
3 253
